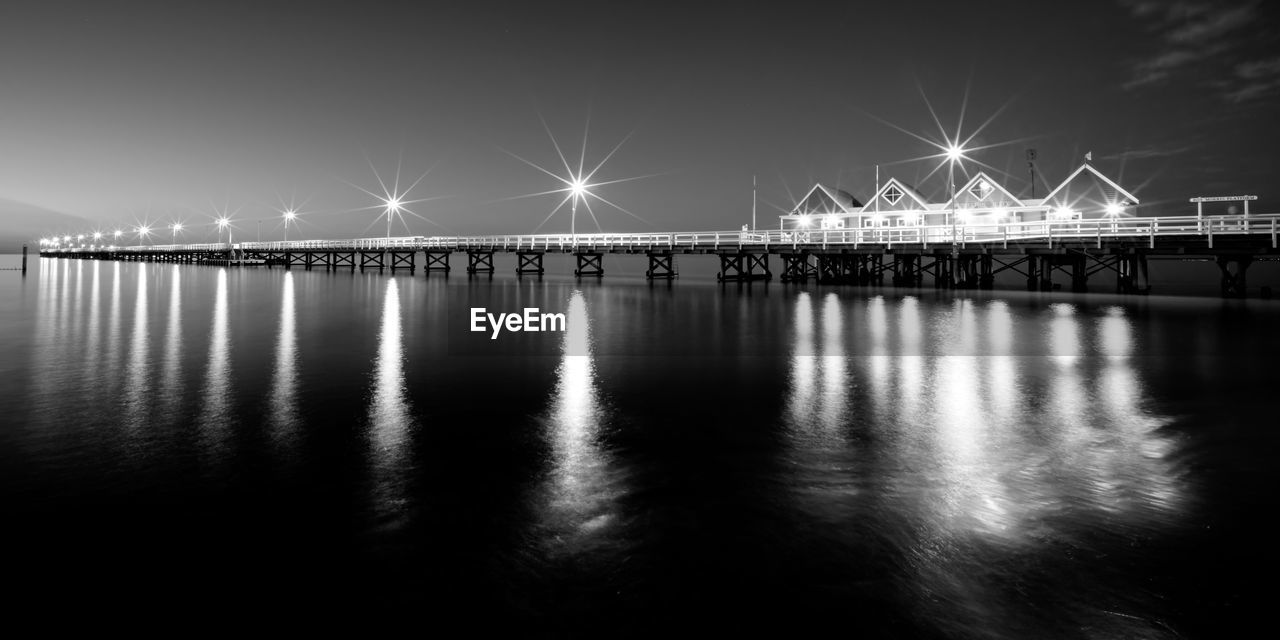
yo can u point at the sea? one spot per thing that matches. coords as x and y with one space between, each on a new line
213 443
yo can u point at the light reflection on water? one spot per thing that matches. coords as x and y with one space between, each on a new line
171 391
138 375
216 415
284 380
390 416
927 424
583 484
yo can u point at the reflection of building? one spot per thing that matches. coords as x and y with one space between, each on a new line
1085 194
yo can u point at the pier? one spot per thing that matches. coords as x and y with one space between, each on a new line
1083 253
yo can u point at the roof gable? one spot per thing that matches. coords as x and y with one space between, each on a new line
896 196
982 191
821 199
1062 194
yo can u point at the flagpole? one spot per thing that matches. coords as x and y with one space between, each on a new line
753 202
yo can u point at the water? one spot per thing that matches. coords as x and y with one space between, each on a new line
216 443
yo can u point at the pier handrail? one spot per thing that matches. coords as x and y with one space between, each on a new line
1052 231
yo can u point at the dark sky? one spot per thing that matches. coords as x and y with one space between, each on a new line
117 111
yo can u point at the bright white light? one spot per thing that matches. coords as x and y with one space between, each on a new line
66 238
804 221
177 226
1001 212
224 222
97 235
1114 209
290 214
80 237
954 153
118 233
393 205
1064 213
577 188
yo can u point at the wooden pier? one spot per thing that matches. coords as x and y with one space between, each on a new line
948 257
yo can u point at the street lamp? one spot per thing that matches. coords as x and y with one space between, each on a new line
393 207
223 223
954 155
289 216
578 190
176 227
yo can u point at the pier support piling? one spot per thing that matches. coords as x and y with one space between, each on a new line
372 259
661 266
797 267
436 261
402 260
529 262
906 270
589 264
1233 280
743 267
480 262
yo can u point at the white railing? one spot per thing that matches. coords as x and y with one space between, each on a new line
1050 231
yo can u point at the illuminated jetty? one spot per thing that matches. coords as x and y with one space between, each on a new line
1085 228
950 256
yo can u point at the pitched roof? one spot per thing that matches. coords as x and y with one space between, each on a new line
841 198
904 188
1097 174
982 175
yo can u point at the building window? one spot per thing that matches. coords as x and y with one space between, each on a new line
981 190
892 195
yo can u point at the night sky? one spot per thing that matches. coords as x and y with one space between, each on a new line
118 112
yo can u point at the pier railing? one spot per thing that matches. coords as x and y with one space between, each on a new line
962 233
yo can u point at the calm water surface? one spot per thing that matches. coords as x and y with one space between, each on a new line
887 462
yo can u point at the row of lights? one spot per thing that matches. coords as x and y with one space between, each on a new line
143 231
1064 213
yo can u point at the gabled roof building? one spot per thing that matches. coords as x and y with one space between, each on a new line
1085 194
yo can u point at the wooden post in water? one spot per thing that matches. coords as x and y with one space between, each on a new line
24 258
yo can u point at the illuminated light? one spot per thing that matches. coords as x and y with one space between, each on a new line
955 153
1063 213
176 227
66 238
1001 212
80 238
1114 209
223 222
804 221
290 214
117 233
97 235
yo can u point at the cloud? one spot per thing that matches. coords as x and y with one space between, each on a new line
1212 46
1148 153
1210 26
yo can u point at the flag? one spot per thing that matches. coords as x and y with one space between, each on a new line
1088 157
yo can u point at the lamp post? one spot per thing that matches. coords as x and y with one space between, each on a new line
177 226
289 216
954 155
577 190
223 223
393 207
